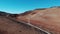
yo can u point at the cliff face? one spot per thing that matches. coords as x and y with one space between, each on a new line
47 19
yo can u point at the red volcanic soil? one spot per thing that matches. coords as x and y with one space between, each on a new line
47 19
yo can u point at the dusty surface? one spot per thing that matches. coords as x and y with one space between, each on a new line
48 19
8 26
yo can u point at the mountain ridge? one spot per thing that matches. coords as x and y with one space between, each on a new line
47 18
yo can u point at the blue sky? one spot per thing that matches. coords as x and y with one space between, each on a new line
20 6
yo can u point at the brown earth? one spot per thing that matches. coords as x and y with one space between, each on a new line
47 19
8 25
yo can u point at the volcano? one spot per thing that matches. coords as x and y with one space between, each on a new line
37 21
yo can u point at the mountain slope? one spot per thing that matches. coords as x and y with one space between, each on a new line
47 19
9 25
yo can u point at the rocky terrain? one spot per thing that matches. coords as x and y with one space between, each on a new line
38 21
47 18
9 25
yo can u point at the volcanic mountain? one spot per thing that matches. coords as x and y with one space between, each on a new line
47 19
9 25
37 21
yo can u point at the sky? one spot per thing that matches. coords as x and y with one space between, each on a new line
20 6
